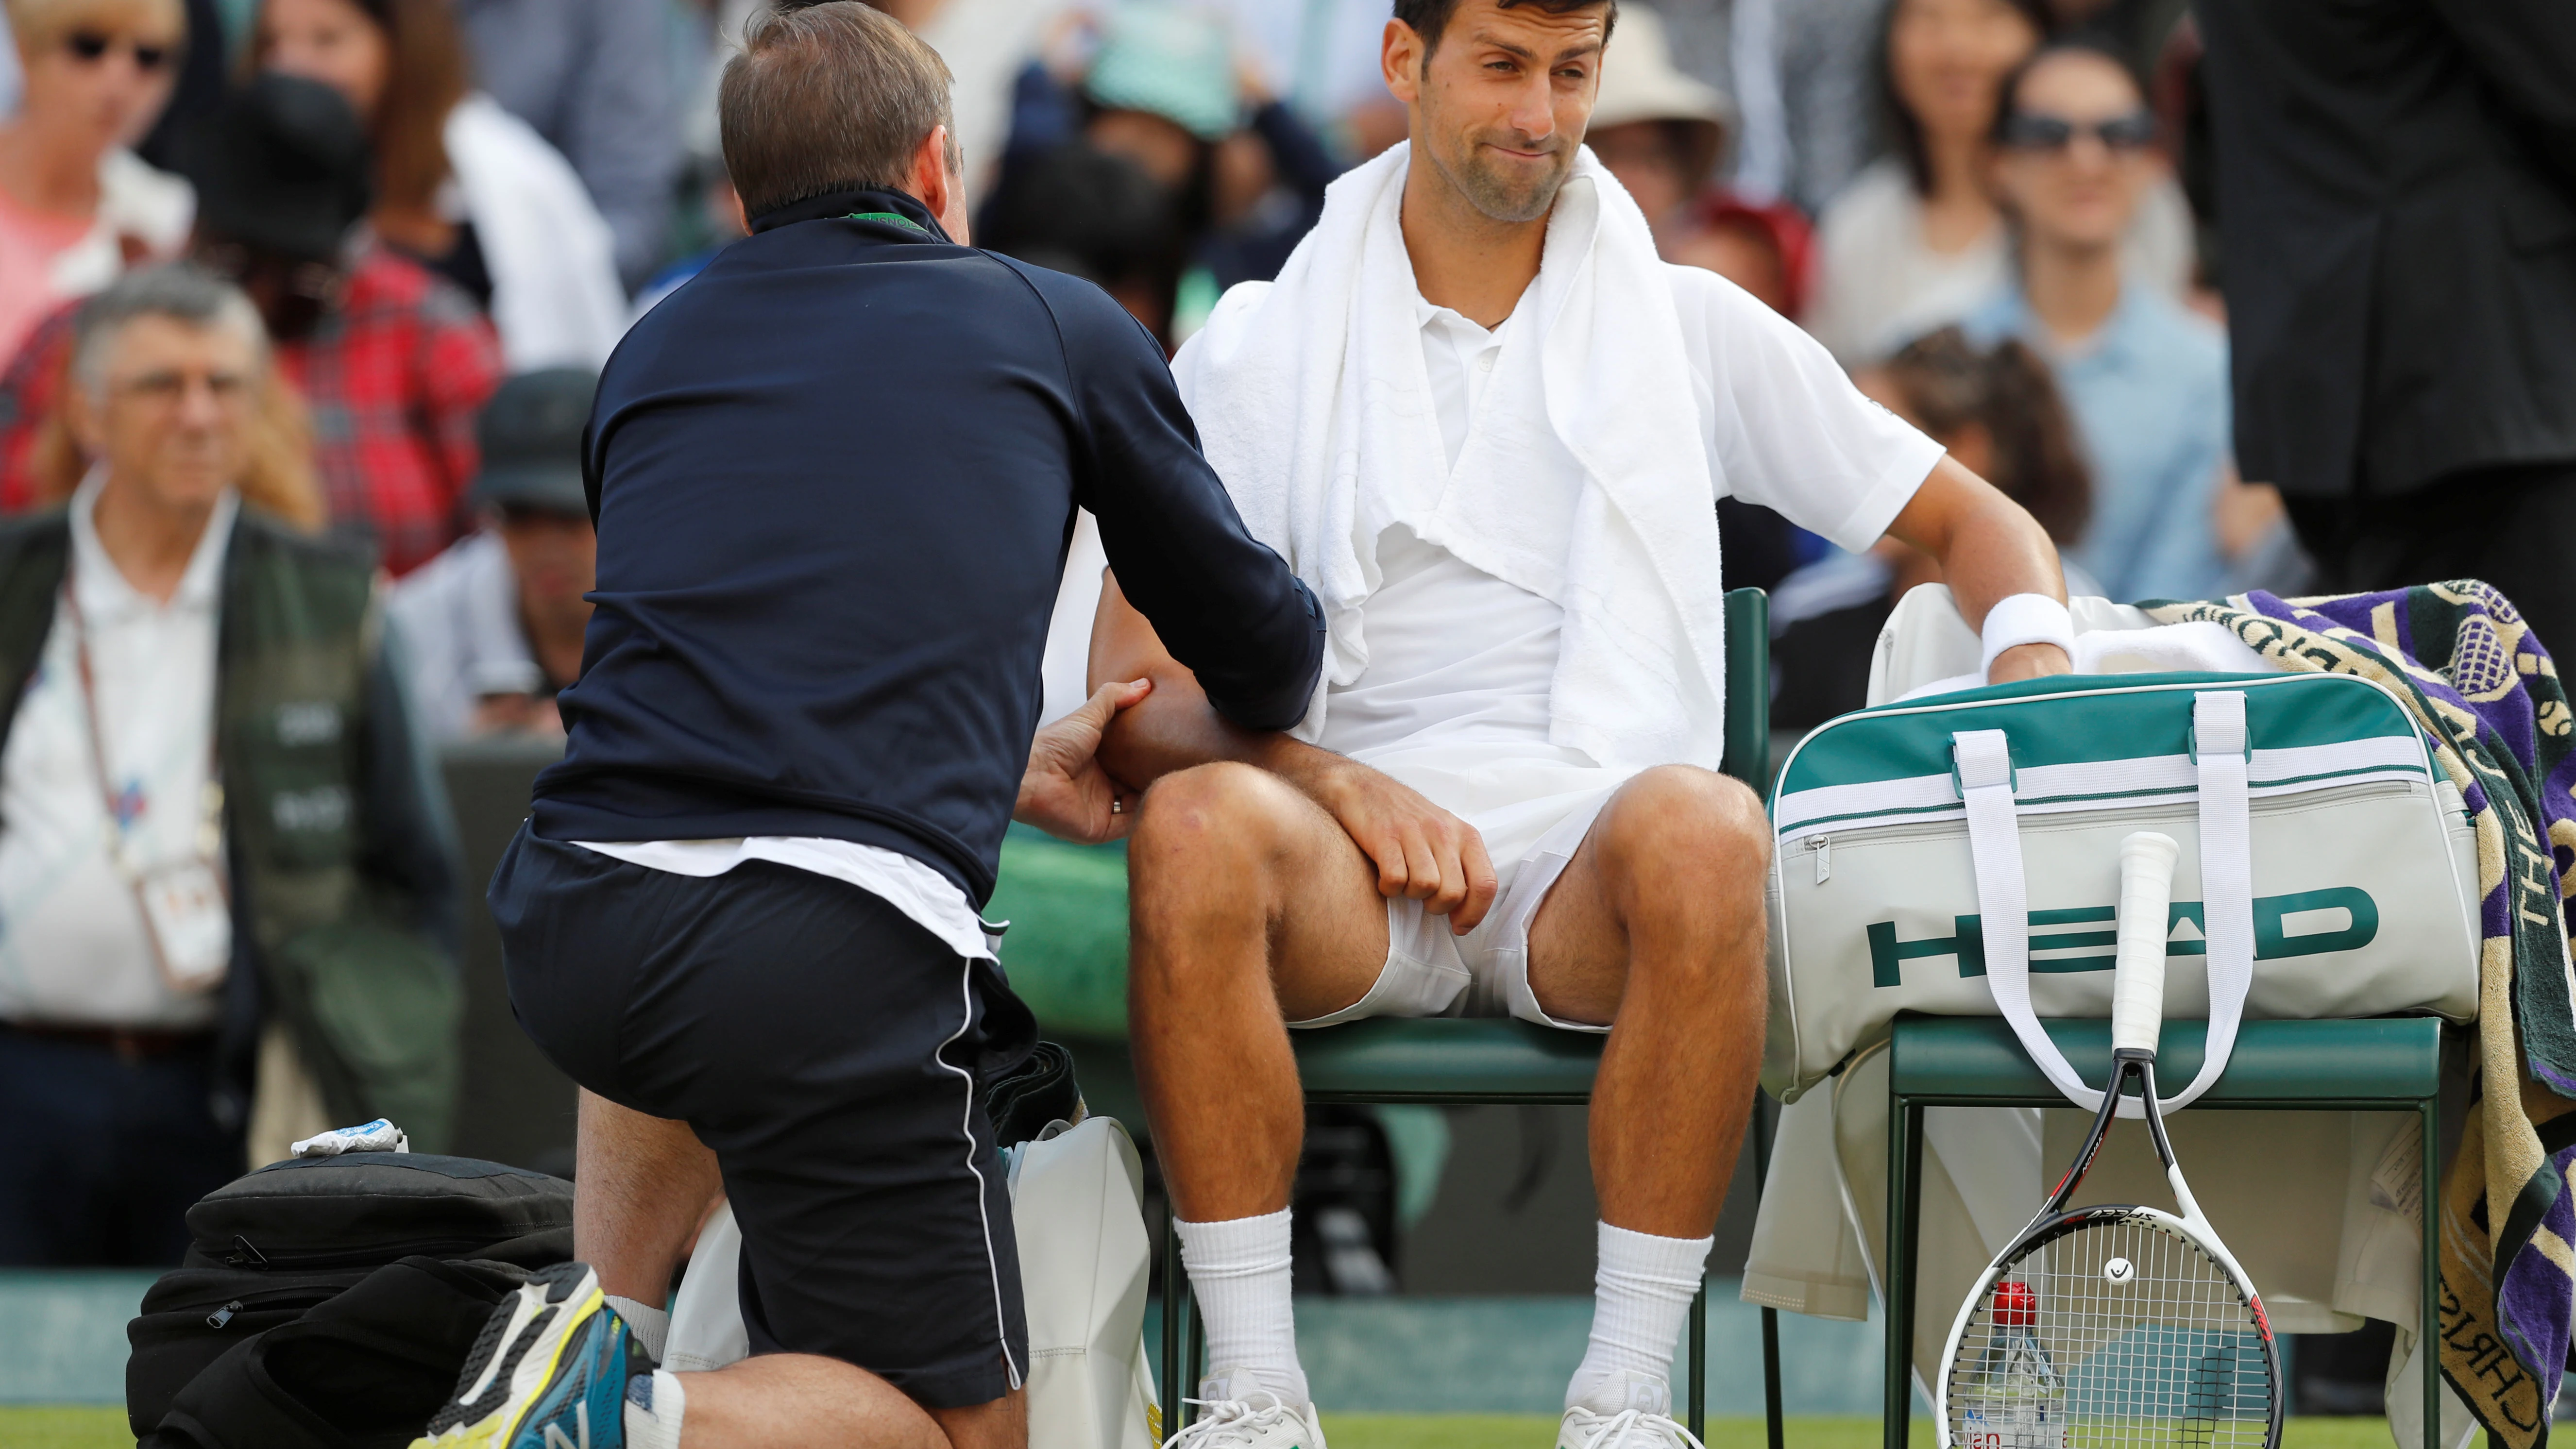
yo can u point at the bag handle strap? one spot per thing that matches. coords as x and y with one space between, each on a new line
2221 752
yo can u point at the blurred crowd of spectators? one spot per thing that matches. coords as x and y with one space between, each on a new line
426 196
420 226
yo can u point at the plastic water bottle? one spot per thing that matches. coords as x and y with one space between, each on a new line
2032 1394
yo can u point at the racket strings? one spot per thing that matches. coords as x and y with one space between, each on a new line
2115 1333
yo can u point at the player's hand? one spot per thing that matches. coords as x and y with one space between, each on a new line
1420 850
1064 792
2029 661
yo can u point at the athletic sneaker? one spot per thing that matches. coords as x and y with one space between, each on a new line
1644 1422
548 1372
1233 1414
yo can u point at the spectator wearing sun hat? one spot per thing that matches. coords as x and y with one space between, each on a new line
1664 134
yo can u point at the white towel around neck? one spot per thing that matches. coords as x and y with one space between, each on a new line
1307 388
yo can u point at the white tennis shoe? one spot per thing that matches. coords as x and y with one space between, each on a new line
1645 1422
1233 1414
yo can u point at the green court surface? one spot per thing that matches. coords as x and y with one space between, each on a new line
1460 1431
102 1428
81 1428
1514 1431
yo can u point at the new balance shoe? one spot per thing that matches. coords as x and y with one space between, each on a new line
1235 1414
548 1372
1644 1420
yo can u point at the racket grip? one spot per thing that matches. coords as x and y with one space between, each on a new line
2138 976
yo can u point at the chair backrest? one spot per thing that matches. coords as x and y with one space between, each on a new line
1748 687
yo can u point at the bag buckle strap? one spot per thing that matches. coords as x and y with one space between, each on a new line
1982 759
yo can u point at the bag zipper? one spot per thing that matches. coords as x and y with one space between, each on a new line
252 1300
1823 846
245 1254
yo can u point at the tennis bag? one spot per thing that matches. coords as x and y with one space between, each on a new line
1958 855
329 1302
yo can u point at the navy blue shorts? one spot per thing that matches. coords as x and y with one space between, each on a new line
830 1051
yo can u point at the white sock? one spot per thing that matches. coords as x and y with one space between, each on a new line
651 1326
654 1403
1642 1291
1239 1269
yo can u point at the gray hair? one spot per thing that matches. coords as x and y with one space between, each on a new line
828 95
180 291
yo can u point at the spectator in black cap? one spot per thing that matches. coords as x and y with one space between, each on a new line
392 362
494 625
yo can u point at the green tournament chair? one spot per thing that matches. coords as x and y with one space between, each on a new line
2384 1064
1507 1062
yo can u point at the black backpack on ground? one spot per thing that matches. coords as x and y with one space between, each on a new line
329 1303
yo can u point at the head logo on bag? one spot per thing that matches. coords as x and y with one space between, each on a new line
1957 855
2274 938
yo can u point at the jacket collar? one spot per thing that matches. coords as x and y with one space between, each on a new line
894 210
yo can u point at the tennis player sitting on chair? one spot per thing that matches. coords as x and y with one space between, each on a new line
1488 428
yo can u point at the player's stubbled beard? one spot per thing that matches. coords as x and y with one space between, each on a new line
1504 192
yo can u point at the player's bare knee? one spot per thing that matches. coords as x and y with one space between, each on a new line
1213 823
1222 807
1680 822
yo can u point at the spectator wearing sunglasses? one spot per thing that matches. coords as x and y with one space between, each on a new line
392 362
76 206
1916 240
2145 377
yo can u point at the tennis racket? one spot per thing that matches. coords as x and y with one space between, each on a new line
2105 1327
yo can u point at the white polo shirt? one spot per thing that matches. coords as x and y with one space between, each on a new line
73 948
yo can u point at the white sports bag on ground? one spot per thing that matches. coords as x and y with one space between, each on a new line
1077 1210
1959 856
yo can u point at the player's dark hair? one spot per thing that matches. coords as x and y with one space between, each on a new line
1430 17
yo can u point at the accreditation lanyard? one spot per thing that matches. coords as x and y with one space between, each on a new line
186 906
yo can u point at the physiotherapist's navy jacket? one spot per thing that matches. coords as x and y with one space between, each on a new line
835 476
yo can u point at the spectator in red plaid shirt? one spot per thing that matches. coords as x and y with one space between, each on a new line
393 363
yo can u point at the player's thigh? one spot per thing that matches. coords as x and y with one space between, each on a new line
1578 946
1235 850
1330 941
1680 843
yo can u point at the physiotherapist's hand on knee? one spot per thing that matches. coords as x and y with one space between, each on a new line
1064 792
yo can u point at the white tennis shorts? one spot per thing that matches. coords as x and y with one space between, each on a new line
1430 971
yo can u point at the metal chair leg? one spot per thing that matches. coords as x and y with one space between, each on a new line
1772 1427
1175 1293
1198 1351
2429 1310
1699 1361
1904 1163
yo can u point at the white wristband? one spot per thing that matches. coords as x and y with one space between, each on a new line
2025 619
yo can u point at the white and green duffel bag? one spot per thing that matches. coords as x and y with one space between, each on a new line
1959 855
